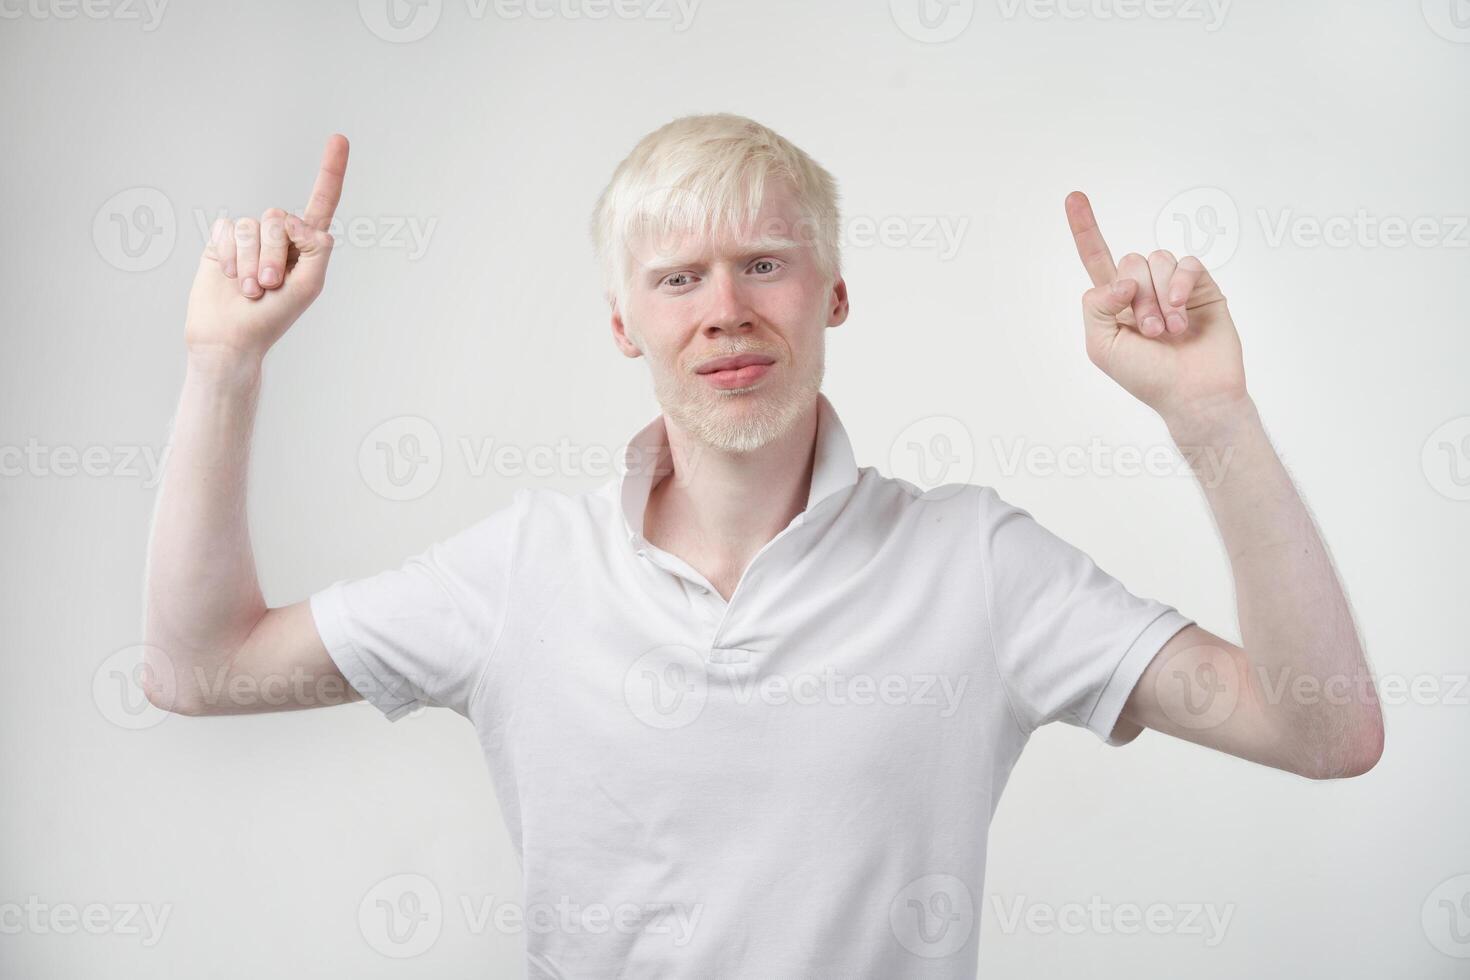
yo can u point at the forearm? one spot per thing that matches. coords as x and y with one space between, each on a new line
1294 617
202 596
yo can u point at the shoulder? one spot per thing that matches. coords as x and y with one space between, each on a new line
555 521
948 511
552 517
882 493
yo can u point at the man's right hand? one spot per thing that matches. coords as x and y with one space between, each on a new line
256 277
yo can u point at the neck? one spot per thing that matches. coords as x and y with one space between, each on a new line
717 509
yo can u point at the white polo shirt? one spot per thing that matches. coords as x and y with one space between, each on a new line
796 783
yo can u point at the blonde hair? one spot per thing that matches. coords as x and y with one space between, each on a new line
707 174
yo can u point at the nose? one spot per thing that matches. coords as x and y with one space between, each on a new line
729 311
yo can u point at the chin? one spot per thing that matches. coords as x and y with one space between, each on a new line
744 420
739 420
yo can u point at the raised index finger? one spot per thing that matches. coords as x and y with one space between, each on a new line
1090 245
327 190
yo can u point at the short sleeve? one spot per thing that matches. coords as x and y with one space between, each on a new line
423 633
1070 640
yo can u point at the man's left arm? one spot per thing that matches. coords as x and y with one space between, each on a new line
1298 694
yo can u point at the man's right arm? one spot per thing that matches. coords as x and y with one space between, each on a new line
212 644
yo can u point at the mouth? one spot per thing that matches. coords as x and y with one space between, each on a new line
739 371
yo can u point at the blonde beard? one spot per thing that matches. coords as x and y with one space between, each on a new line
713 419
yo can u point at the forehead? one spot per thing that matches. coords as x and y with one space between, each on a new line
678 229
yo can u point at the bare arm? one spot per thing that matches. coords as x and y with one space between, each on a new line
213 646
1298 694
1161 328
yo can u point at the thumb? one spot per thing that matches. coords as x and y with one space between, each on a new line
1102 304
315 248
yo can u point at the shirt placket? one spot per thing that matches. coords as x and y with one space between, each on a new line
716 610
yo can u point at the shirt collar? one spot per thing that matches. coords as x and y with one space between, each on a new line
647 458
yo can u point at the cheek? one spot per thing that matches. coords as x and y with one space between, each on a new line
791 304
800 312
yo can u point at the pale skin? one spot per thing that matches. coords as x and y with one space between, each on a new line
1162 330
207 625
702 300
1165 335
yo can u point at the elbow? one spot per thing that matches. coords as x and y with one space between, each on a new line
163 684
165 701
1354 756
1372 750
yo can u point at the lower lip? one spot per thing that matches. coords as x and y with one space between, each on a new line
737 378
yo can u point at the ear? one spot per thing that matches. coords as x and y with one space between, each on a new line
627 344
838 308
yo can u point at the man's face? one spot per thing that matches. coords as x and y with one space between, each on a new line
693 302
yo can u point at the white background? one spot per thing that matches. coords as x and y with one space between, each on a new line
493 134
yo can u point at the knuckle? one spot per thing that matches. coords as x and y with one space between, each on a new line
1160 255
273 214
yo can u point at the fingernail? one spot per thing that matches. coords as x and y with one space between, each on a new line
268 276
1120 288
250 285
230 268
1176 322
1153 323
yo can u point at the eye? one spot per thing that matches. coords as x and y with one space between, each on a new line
765 262
670 280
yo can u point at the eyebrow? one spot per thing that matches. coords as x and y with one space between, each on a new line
747 249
